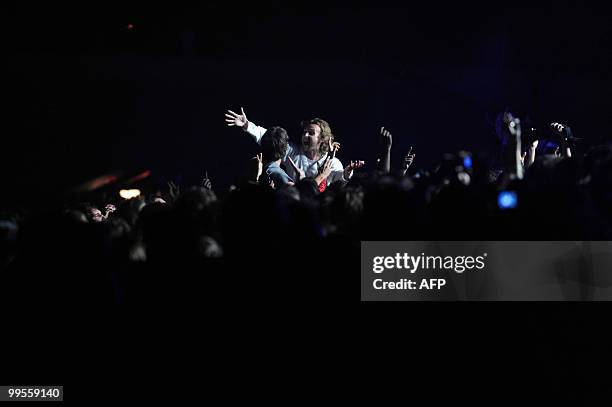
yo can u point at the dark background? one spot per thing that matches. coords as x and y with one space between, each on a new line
85 95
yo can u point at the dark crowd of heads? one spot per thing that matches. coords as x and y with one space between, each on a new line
151 251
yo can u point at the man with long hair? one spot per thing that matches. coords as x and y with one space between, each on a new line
314 157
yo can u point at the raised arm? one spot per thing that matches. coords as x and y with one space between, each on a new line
408 160
564 133
531 154
513 162
387 141
341 173
240 120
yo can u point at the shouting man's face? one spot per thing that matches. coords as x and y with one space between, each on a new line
311 137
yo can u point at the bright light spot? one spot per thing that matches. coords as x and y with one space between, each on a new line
129 193
507 200
464 178
467 162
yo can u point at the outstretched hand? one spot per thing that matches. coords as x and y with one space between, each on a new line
353 165
564 134
386 137
333 149
206 182
559 127
235 119
300 174
110 208
408 160
324 172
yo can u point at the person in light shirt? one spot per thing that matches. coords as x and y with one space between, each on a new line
314 156
274 144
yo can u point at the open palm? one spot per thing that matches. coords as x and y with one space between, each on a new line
235 119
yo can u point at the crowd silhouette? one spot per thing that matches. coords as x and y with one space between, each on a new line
300 216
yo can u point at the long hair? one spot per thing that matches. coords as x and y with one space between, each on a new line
274 144
326 133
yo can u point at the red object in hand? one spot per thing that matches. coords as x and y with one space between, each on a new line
323 185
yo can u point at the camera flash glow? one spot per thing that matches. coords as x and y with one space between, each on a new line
129 193
507 200
467 162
